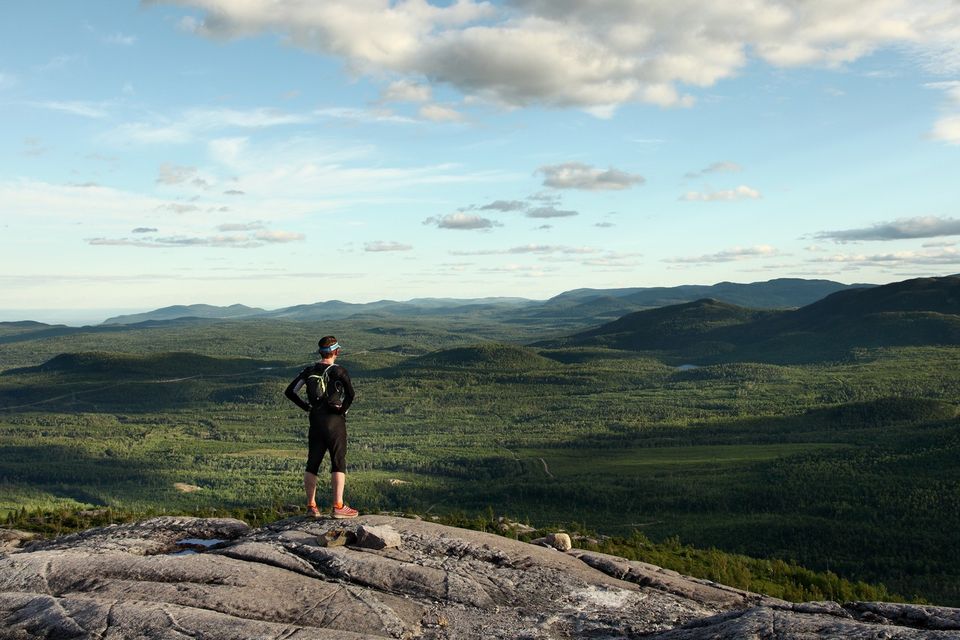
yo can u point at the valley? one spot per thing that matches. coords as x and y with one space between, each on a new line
841 458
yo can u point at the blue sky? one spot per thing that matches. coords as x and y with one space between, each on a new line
274 153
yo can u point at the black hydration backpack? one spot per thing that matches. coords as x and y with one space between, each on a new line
322 391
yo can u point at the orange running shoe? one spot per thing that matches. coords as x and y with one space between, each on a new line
312 511
345 512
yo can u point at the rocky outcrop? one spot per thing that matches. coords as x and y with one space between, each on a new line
10 539
301 578
371 537
559 541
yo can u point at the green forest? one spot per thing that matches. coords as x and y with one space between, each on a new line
804 473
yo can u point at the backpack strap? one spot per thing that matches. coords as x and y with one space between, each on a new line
322 373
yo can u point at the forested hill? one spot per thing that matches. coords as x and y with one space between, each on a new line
913 312
780 293
671 327
188 311
937 295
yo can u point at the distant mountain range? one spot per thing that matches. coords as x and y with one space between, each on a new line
924 311
188 311
576 306
913 312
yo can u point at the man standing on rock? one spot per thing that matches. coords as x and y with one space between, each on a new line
329 396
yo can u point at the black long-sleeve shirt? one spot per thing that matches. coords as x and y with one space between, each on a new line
335 373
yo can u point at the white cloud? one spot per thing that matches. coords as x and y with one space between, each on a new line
460 221
951 87
946 256
282 237
150 133
113 211
729 255
405 91
504 205
541 249
175 278
614 261
547 207
379 115
531 271
75 107
60 204
603 111
592 55
179 208
171 174
57 62
546 197
241 226
742 192
947 129
291 179
235 241
550 212
120 39
724 166
904 228
317 171
247 119
439 113
594 258
227 151
576 175
380 246
189 24
194 122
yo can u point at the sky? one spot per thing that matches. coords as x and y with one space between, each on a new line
281 152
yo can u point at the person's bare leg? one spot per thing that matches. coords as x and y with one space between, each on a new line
310 487
337 480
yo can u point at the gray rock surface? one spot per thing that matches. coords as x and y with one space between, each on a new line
370 537
824 620
280 581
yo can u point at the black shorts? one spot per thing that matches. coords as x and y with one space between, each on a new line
328 432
